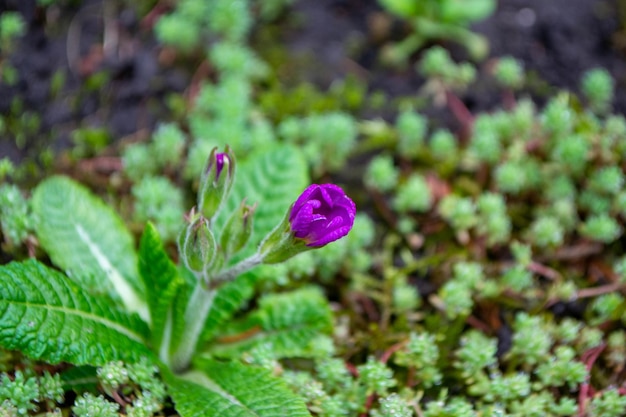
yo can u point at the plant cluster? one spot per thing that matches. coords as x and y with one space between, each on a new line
483 276
130 312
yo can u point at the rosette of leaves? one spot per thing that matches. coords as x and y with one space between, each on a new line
105 301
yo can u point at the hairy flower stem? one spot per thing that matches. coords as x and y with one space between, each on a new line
199 307
197 311
236 270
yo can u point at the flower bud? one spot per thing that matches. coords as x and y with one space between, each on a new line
216 181
322 214
237 230
197 246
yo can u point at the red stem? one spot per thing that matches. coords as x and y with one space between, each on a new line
588 358
393 349
460 111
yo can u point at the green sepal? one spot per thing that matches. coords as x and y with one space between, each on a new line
280 244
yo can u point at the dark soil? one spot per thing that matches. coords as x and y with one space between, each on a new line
131 98
557 40
560 39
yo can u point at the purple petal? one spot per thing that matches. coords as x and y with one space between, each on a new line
322 214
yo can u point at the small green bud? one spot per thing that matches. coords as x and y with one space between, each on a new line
601 227
393 406
607 180
460 212
443 145
572 153
376 376
558 117
546 231
405 297
509 72
197 246
411 127
51 387
113 374
413 195
89 405
597 85
608 403
216 181
7 168
381 173
510 177
237 230
435 62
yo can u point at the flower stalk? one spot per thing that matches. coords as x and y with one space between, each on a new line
196 314
322 214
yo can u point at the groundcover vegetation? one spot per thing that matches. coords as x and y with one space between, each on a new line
204 213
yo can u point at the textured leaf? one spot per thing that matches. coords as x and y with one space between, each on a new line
88 240
161 280
288 323
47 316
232 389
179 306
273 178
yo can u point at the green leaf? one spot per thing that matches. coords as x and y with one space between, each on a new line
179 306
273 178
231 389
47 316
80 378
88 240
161 280
286 322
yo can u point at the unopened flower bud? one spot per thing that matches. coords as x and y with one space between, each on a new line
216 181
197 247
237 230
322 214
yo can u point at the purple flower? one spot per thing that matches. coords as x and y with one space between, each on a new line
219 159
322 214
